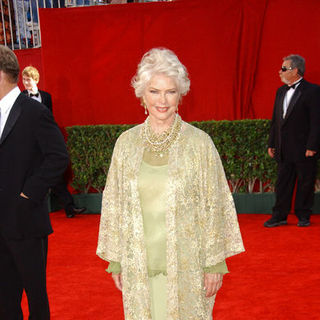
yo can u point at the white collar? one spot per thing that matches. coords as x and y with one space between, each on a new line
296 81
36 91
8 100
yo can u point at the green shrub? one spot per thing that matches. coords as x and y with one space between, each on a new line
90 149
242 145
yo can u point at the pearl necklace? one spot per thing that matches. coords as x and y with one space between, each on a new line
160 143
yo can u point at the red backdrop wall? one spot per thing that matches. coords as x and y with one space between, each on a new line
232 49
290 26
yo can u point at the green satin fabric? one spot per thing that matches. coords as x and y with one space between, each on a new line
152 186
115 267
158 295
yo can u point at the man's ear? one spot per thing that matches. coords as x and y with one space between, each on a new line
3 78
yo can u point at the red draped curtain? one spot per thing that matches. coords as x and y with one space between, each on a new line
232 49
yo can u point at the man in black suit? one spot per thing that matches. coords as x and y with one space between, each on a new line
33 156
30 79
294 142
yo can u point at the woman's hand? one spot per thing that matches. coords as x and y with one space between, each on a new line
117 280
212 283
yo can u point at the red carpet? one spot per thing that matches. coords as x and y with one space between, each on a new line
277 277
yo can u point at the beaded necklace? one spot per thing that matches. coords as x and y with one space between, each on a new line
160 143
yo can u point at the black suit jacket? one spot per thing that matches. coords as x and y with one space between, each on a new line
300 129
45 98
33 157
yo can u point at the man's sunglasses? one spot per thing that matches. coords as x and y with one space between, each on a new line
284 69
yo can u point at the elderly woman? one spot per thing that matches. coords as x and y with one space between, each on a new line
168 220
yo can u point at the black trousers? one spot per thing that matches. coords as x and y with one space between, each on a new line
23 266
61 191
289 173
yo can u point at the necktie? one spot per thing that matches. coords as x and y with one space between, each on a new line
34 95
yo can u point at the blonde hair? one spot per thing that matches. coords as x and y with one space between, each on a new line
160 61
31 72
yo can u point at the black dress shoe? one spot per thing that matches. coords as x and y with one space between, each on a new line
275 223
73 211
70 215
303 223
79 210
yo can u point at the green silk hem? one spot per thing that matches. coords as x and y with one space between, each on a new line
221 267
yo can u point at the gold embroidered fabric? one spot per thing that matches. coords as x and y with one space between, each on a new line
151 186
201 223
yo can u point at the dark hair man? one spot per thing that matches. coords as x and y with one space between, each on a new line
33 156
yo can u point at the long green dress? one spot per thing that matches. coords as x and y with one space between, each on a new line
153 177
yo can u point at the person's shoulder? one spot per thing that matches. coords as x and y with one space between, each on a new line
199 140
130 135
196 135
131 132
45 93
281 88
195 132
26 100
30 105
309 85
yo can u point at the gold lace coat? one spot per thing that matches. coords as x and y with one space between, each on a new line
202 227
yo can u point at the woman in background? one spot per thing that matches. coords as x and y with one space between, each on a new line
168 220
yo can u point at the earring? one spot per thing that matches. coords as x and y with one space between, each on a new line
145 107
177 111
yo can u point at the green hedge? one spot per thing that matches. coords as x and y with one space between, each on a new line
90 149
242 145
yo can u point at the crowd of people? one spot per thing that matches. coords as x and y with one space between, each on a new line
20 22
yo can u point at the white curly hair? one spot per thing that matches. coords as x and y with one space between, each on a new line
160 61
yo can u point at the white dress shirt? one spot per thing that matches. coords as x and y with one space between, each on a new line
288 96
38 98
6 104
